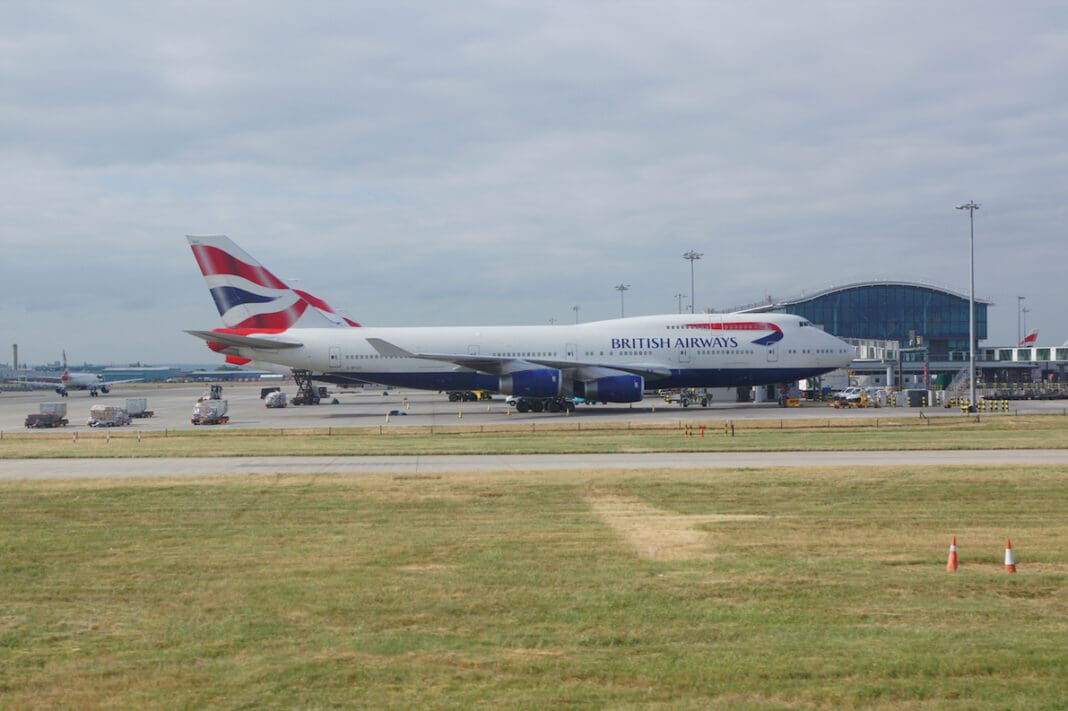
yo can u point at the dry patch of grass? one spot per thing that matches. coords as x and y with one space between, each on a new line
654 533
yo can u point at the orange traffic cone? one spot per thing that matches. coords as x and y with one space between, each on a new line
951 563
1010 560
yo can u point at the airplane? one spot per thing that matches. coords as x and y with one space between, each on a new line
93 382
612 361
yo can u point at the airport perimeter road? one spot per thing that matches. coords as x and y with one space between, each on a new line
173 405
35 469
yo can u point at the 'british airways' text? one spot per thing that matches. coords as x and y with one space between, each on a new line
639 344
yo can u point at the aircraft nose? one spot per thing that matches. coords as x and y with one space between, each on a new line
848 352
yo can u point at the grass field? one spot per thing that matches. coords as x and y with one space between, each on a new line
557 437
735 589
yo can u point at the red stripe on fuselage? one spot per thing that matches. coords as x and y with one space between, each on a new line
737 326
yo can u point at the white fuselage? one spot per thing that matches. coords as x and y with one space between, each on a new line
703 350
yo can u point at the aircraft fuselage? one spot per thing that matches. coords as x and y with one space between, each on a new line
668 351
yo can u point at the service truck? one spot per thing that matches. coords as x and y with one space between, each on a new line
49 414
108 416
275 399
138 407
209 412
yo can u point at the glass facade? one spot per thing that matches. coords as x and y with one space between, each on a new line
890 311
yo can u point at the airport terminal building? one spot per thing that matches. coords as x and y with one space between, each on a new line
909 333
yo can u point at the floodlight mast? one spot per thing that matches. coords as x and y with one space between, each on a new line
1019 311
971 207
692 256
621 288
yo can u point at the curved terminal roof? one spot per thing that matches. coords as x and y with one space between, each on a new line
905 311
774 304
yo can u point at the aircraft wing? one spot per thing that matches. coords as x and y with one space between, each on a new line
499 365
40 383
235 341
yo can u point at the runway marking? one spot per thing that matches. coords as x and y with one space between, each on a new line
657 534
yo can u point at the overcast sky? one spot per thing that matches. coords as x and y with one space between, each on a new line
499 163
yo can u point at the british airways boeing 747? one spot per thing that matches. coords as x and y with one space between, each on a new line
267 321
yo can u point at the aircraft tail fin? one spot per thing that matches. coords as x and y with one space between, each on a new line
249 296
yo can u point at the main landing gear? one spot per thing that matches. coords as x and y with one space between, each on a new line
544 404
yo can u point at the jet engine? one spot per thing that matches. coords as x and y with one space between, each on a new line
544 382
617 388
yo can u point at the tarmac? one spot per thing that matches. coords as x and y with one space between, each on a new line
430 465
172 405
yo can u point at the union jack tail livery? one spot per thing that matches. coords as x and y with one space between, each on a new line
1030 339
252 299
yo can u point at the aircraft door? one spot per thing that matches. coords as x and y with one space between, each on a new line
335 357
571 351
773 354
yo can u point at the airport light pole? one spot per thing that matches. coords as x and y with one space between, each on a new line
678 297
1025 312
692 257
575 308
1019 310
621 288
971 207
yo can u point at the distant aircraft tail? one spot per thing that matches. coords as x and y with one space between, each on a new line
1030 339
249 296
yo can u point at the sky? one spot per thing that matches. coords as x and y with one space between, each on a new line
504 162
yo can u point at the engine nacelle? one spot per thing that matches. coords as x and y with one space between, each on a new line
531 383
617 388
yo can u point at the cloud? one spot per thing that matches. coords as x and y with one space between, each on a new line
502 162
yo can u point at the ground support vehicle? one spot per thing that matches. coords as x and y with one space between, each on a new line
687 397
49 414
210 412
41 420
108 416
850 397
307 392
275 400
469 395
138 407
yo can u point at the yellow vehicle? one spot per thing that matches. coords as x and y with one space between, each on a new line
469 395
